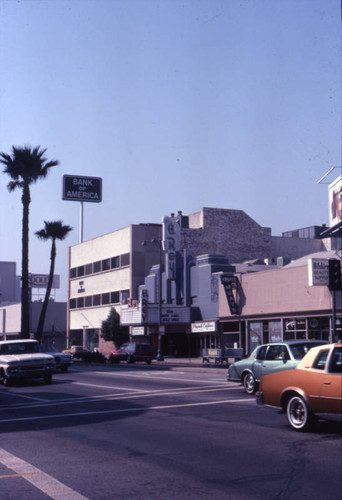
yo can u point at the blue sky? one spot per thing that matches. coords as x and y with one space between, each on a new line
176 104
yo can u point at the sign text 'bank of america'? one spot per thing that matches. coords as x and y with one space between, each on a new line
81 188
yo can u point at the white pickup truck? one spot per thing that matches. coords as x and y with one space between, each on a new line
22 359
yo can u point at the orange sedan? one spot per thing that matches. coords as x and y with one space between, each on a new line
311 389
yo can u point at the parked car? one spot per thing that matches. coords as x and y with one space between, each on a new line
312 389
22 359
77 351
269 358
62 359
133 351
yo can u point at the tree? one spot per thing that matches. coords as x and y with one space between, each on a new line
53 231
112 330
25 166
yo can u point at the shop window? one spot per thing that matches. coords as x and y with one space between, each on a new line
274 330
125 259
319 328
295 328
80 271
231 327
255 334
88 269
105 264
97 266
97 300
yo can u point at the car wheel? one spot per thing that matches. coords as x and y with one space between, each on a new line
249 383
148 361
48 379
299 414
64 369
130 359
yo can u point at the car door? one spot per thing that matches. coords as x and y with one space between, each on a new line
276 359
256 367
331 386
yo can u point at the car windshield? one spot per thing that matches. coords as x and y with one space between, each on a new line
299 350
19 348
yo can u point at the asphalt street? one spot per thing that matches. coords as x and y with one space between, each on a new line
104 432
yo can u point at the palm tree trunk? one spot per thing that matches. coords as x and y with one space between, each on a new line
25 289
40 328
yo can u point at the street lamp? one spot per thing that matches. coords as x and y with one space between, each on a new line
158 243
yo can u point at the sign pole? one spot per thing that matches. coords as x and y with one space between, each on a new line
81 221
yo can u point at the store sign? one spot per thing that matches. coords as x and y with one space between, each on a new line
77 188
335 201
171 245
41 280
175 315
205 326
144 305
138 330
230 282
318 270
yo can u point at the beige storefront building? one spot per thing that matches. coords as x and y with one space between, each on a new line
279 304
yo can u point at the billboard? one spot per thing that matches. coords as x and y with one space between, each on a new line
335 202
41 280
318 270
80 188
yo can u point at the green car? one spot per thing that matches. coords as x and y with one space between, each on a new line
269 358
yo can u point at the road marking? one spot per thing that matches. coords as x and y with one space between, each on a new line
124 410
15 394
107 387
45 483
155 377
123 395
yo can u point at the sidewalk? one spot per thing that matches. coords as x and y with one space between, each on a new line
172 363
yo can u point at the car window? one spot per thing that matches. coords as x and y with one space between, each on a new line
335 365
262 352
300 349
277 352
320 360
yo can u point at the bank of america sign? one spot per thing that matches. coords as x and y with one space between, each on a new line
80 188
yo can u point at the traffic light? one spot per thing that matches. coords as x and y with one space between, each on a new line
335 279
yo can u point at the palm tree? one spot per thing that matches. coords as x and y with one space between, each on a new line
25 166
53 231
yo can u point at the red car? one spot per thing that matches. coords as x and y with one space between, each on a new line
311 389
132 352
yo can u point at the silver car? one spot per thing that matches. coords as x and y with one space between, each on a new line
269 358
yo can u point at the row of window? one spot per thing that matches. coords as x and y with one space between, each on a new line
100 266
100 299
